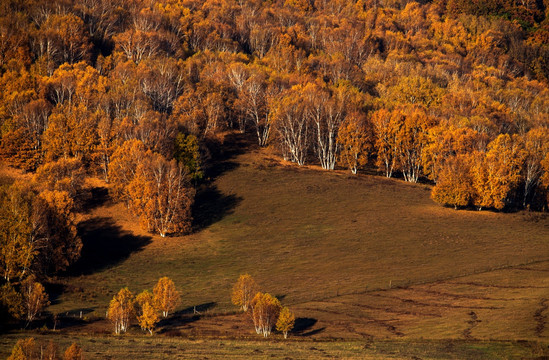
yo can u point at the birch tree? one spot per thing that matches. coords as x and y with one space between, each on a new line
293 126
265 311
244 291
121 310
165 296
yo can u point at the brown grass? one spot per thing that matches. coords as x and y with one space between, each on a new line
355 257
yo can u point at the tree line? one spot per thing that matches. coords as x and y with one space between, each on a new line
418 89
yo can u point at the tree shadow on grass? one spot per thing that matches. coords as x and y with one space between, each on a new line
104 244
210 206
185 316
302 326
97 196
313 332
197 308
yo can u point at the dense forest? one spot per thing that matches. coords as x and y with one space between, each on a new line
137 93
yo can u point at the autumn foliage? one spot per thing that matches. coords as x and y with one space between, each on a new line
121 310
285 322
146 307
137 93
165 296
35 298
73 352
30 349
265 311
244 291
154 188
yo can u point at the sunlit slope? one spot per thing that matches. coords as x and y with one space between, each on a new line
313 237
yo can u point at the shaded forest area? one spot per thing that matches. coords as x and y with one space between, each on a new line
138 93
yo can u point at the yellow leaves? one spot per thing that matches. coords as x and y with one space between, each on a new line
121 310
73 352
166 296
385 126
147 313
17 251
454 185
149 318
145 306
497 172
80 81
162 195
12 300
354 138
36 231
67 36
65 174
60 201
24 349
545 176
285 322
451 32
35 298
264 308
243 291
265 311
123 166
29 349
416 90
300 5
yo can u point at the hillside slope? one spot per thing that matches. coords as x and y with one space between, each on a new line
353 256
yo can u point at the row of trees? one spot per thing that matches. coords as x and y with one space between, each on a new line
468 166
29 349
264 309
146 307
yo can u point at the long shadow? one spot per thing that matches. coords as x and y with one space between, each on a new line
198 308
210 206
314 332
104 244
98 196
185 316
222 154
303 325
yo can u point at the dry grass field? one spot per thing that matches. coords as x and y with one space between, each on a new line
370 262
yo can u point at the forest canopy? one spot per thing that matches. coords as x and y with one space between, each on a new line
422 90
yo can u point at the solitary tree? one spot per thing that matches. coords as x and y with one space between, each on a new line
166 296
285 322
244 291
121 310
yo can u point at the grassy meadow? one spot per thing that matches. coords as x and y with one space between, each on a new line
372 268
